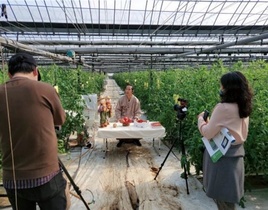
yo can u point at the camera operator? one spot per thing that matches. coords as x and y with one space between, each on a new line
224 180
29 109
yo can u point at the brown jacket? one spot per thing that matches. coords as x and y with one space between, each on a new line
34 108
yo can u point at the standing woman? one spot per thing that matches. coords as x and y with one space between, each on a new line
224 180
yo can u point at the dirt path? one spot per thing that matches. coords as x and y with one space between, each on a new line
125 178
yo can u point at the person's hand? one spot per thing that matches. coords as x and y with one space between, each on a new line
202 115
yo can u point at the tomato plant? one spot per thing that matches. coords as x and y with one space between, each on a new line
200 86
72 83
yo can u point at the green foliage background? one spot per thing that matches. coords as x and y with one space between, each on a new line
72 83
159 90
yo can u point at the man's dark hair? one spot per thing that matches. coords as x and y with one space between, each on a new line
21 62
237 90
128 84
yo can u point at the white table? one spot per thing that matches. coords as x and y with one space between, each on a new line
129 132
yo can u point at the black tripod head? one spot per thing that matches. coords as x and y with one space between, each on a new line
181 108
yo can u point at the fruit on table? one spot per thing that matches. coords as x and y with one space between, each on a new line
141 121
126 121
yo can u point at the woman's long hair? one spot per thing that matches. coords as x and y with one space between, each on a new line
236 90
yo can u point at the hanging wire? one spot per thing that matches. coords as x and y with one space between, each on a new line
204 19
82 17
209 14
146 16
75 24
10 134
22 27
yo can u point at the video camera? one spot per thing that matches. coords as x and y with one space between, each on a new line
181 109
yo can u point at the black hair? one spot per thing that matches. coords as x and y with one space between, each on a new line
39 76
21 62
237 90
128 84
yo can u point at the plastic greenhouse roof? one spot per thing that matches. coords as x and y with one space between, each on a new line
136 34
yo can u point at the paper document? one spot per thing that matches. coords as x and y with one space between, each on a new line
219 145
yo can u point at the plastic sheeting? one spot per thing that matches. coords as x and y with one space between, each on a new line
90 109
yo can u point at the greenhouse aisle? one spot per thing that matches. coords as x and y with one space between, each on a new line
125 178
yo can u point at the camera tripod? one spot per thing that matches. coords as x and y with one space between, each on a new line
76 188
183 155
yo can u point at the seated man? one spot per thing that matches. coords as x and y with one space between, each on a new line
128 106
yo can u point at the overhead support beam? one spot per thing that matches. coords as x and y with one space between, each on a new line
129 43
222 46
134 58
156 50
133 29
18 46
130 61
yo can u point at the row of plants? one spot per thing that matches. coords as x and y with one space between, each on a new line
158 91
71 84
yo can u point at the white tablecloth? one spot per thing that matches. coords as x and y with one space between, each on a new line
131 131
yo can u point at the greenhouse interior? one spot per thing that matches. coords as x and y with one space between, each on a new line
174 53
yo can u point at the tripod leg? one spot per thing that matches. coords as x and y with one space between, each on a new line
76 188
186 179
162 164
184 159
